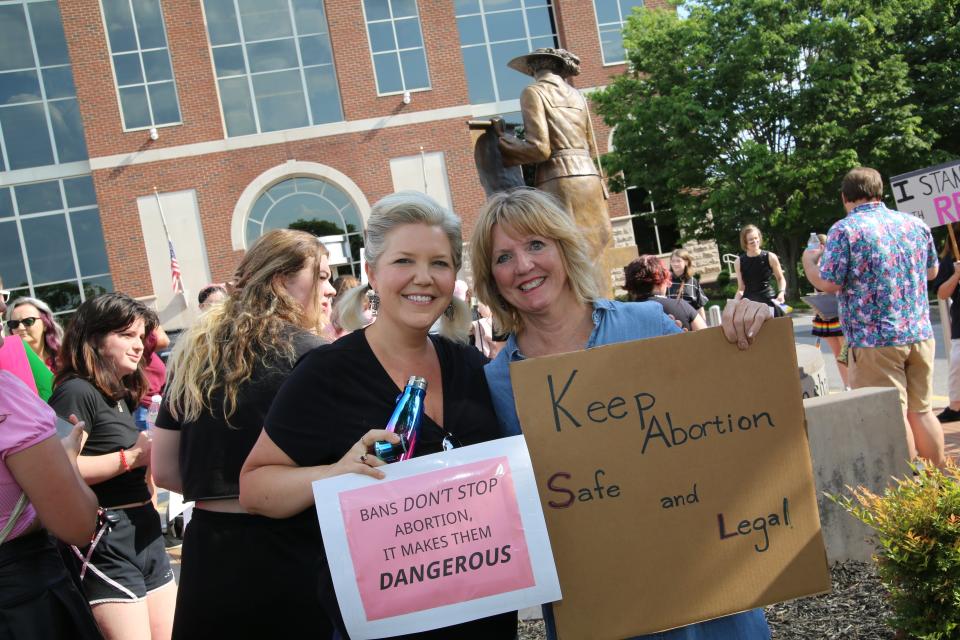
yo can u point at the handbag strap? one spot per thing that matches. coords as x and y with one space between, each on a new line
14 517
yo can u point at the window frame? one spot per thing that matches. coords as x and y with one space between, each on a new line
623 21
396 51
139 51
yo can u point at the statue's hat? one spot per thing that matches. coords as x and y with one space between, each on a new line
520 62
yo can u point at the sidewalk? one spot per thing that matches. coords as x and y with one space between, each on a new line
951 434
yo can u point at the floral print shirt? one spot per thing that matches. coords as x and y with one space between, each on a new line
880 259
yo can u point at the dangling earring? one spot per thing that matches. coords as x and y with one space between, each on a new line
449 311
374 301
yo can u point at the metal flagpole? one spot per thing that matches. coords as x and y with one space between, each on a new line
423 168
175 274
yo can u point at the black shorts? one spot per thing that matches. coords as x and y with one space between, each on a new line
129 561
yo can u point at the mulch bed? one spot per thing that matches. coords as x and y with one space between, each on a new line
855 610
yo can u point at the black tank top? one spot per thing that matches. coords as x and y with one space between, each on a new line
756 273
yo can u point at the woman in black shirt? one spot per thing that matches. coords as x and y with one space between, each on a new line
683 286
647 279
126 576
755 268
224 374
331 410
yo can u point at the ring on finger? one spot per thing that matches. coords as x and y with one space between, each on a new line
363 459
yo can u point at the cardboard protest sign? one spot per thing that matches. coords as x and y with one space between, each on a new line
444 539
931 194
675 477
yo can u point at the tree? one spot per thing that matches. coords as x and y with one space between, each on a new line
754 109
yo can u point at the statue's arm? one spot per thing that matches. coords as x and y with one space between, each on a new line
536 145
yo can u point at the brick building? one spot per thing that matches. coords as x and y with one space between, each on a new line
247 115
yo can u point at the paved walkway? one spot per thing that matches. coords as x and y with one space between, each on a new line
951 432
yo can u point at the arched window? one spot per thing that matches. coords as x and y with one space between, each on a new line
309 204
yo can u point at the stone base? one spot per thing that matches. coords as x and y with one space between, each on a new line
856 438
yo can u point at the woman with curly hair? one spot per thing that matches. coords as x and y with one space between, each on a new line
33 321
125 574
224 374
647 279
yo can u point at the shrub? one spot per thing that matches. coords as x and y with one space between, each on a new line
917 522
723 278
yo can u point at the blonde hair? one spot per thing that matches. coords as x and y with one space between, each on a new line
390 212
743 235
530 212
220 351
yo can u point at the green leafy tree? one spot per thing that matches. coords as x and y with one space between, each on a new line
754 109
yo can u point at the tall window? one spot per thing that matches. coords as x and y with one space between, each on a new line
396 43
51 242
141 63
308 204
39 119
492 32
274 64
611 16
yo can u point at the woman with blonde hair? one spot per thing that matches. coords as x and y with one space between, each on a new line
683 286
224 374
755 267
530 266
414 251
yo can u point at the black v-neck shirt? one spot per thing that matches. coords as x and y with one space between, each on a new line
340 391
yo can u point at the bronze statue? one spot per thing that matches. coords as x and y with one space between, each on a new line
558 138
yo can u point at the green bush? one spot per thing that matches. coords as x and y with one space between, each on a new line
917 522
723 278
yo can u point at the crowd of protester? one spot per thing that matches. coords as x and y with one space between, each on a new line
287 376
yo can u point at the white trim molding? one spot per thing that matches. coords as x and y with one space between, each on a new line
285 171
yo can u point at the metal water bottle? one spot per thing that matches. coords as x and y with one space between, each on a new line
405 422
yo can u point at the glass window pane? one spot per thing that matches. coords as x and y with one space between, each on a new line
61 297
254 231
547 41
509 82
479 80
506 26
626 7
119 25
260 208
408 33
15 50
280 100
309 185
149 24
272 56
336 197
19 86
25 133
404 8
414 69
6 203
133 102
88 238
539 23
48 34
229 61
381 37
300 206
11 259
309 16
324 94
93 287
58 83
262 19
38 197
80 192
377 9
281 189
127 68
315 50
466 6
221 22
163 99
611 42
156 64
471 30
237 108
68 130
388 72
47 245
606 11
496 5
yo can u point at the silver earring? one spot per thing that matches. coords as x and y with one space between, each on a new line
374 301
448 311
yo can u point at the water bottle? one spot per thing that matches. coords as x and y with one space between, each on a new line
405 422
813 243
153 411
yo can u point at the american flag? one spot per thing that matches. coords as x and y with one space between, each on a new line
175 274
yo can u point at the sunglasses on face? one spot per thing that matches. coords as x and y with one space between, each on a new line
13 325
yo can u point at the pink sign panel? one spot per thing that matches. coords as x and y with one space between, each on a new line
435 539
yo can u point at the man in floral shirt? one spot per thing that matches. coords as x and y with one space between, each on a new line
878 262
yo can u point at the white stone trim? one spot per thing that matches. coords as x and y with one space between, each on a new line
289 169
46 172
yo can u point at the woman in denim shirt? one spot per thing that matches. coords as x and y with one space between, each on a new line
530 267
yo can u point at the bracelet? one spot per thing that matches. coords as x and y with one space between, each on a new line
123 460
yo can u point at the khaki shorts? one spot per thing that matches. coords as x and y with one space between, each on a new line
908 368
